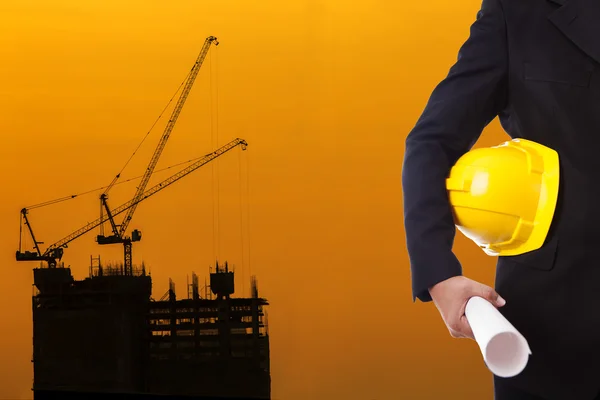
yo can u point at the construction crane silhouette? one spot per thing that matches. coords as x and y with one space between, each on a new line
54 252
118 231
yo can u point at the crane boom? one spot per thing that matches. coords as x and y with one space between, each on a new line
55 250
163 140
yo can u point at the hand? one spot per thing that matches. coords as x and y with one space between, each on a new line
451 297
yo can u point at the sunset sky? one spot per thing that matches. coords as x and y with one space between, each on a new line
324 92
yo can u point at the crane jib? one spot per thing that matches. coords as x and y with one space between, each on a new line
167 132
153 190
55 250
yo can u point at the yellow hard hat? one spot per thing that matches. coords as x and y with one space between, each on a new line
503 197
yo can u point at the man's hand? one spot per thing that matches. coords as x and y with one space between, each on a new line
451 297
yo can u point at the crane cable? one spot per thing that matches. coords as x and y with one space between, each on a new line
212 166
214 129
217 164
248 213
113 183
61 199
241 220
148 133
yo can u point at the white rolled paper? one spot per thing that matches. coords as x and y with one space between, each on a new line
505 350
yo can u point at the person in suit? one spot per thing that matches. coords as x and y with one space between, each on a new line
534 64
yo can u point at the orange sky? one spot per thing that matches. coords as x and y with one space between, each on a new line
324 93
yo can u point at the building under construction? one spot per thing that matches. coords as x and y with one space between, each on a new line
105 335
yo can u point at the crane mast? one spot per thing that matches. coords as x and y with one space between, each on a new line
119 231
54 252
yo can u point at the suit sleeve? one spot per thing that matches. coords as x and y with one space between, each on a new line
460 107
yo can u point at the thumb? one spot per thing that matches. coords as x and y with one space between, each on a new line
491 295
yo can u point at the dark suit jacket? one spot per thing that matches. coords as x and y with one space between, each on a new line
536 65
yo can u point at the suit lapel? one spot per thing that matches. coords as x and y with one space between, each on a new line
579 21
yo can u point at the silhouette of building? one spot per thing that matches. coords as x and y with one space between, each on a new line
105 335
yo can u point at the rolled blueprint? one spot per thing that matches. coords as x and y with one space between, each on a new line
505 350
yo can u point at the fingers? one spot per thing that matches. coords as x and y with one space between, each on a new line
460 327
451 298
491 295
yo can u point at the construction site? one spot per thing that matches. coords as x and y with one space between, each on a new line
106 334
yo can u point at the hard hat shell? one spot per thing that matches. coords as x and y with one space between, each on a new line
503 197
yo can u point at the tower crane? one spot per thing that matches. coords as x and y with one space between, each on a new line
118 231
55 251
